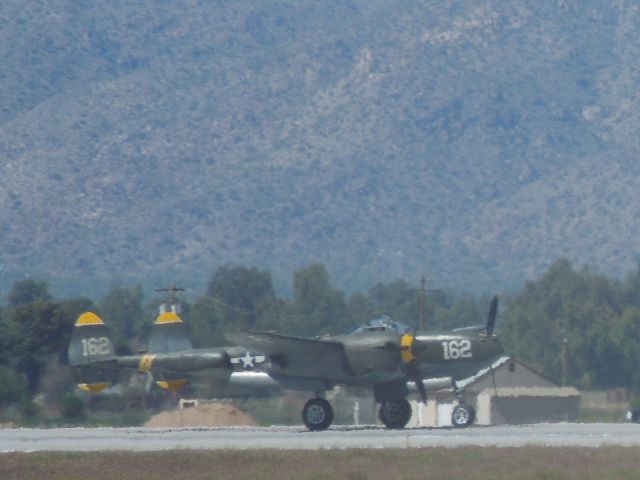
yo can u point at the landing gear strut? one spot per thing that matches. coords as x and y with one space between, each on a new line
395 413
463 414
317 414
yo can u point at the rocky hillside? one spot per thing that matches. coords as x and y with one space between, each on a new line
475 142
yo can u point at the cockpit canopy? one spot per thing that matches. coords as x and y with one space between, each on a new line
382 324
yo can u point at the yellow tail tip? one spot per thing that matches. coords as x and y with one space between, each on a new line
93 387
88 318
168 317
172 385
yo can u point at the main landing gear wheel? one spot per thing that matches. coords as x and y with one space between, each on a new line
463 415
395 413
317 414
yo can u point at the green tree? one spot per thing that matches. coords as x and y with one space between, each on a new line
464 312
72 406
204 323
361 308
561 324
122 309
536 322
397 300
12 386
34 332
323 309
240 295
27 291
630 289
624 335
36 329
5 340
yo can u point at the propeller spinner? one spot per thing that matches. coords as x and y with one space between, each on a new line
410 348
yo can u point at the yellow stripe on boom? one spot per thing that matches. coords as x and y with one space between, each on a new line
88 318
405 348
146 362
168 317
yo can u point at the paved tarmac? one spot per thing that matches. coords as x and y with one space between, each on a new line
148 439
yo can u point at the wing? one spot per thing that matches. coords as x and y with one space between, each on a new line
296 356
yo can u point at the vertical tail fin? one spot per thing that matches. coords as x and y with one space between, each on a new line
90 351
169 334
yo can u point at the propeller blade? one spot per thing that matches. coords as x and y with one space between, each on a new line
406 348
412 369
148 381
491 318
410 347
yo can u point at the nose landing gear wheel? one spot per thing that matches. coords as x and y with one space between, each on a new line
317 414
463 415
395 413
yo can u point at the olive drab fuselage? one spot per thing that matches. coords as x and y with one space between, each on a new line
381 356
385 356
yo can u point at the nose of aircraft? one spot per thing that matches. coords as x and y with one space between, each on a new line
497 345
489 347
471 345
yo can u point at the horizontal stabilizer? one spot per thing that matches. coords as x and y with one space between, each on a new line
174 385
94 379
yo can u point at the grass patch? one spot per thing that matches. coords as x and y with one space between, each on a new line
127 418
598 415
469 463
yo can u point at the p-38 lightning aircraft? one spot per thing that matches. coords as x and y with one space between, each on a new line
385 356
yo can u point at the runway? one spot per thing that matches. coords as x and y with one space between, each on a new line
147 439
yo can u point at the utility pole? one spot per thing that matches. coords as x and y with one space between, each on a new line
421 303
565 357
565 344
172 293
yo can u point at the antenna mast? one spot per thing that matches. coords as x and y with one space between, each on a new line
421 303
171 291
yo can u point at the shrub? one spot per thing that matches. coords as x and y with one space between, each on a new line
71 406
29 410
12 386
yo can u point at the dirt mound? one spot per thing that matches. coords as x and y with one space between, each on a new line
207 415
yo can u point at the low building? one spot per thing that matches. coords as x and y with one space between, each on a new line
508 392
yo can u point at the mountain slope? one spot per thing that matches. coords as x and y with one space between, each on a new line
473 143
